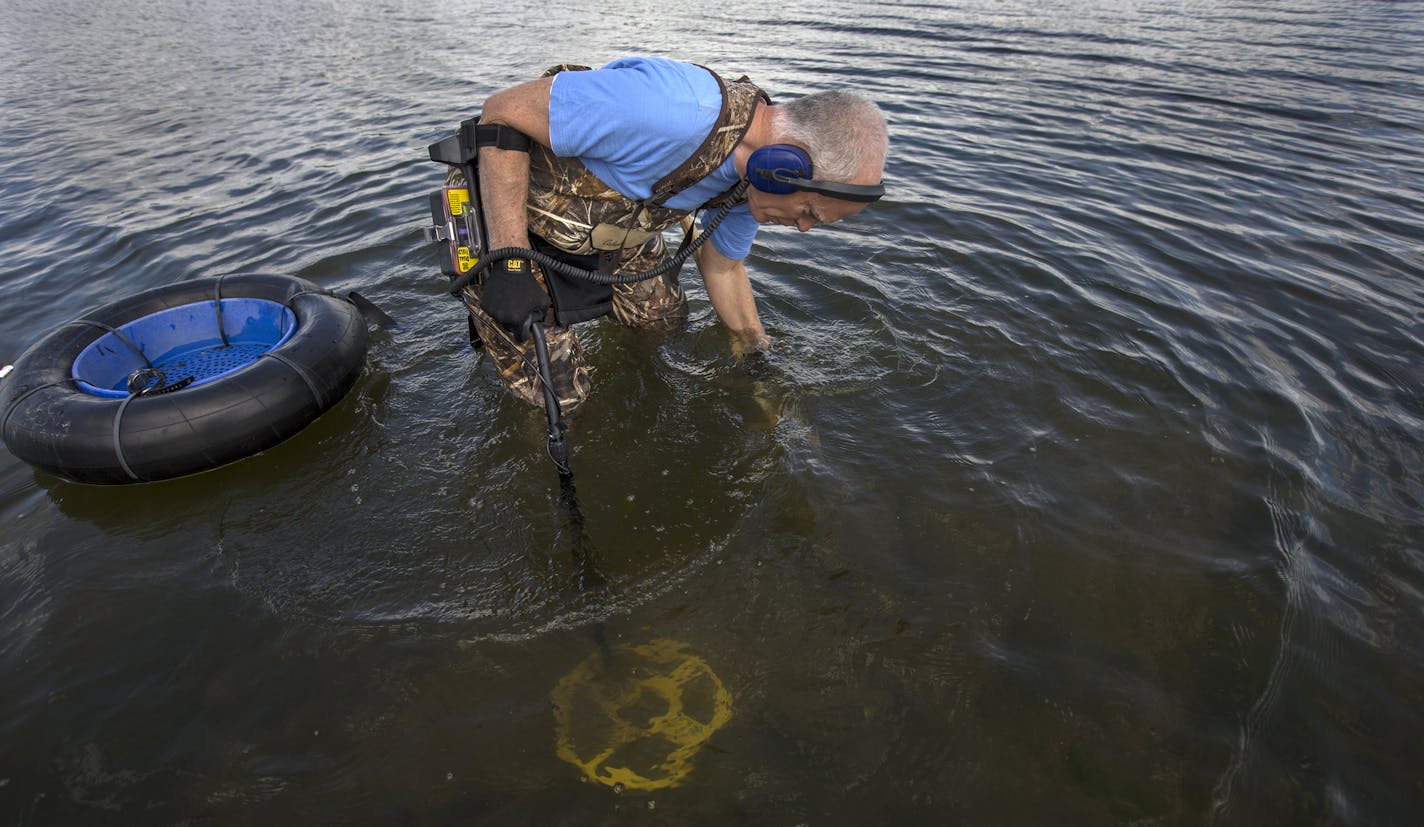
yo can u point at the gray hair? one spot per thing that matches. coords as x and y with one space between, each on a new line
841 131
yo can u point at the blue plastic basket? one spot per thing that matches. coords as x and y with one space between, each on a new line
185 342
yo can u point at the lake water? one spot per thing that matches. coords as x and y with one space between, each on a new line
1084 485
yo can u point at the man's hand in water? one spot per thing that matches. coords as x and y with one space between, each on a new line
756 364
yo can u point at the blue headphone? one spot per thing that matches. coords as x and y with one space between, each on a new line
781 169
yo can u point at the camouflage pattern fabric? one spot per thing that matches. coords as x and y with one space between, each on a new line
515 361
655 302
651 303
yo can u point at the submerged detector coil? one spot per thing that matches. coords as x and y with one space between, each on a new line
635 720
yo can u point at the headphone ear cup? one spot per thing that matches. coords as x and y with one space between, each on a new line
774 160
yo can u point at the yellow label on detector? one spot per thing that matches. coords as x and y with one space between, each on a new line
457 198
464 259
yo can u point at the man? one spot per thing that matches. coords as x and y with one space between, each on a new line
589 166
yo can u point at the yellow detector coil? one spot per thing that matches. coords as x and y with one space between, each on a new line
634 719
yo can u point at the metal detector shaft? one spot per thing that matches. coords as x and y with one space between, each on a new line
558 448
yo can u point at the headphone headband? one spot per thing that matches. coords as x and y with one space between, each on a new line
862 193
781 169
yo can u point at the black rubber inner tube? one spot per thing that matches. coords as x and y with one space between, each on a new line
49 422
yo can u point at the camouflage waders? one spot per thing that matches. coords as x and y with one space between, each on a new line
655 302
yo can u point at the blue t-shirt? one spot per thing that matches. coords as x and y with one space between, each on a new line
634 121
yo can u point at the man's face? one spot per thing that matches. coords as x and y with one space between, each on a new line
802 210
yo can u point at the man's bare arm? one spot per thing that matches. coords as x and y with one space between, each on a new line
504 174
